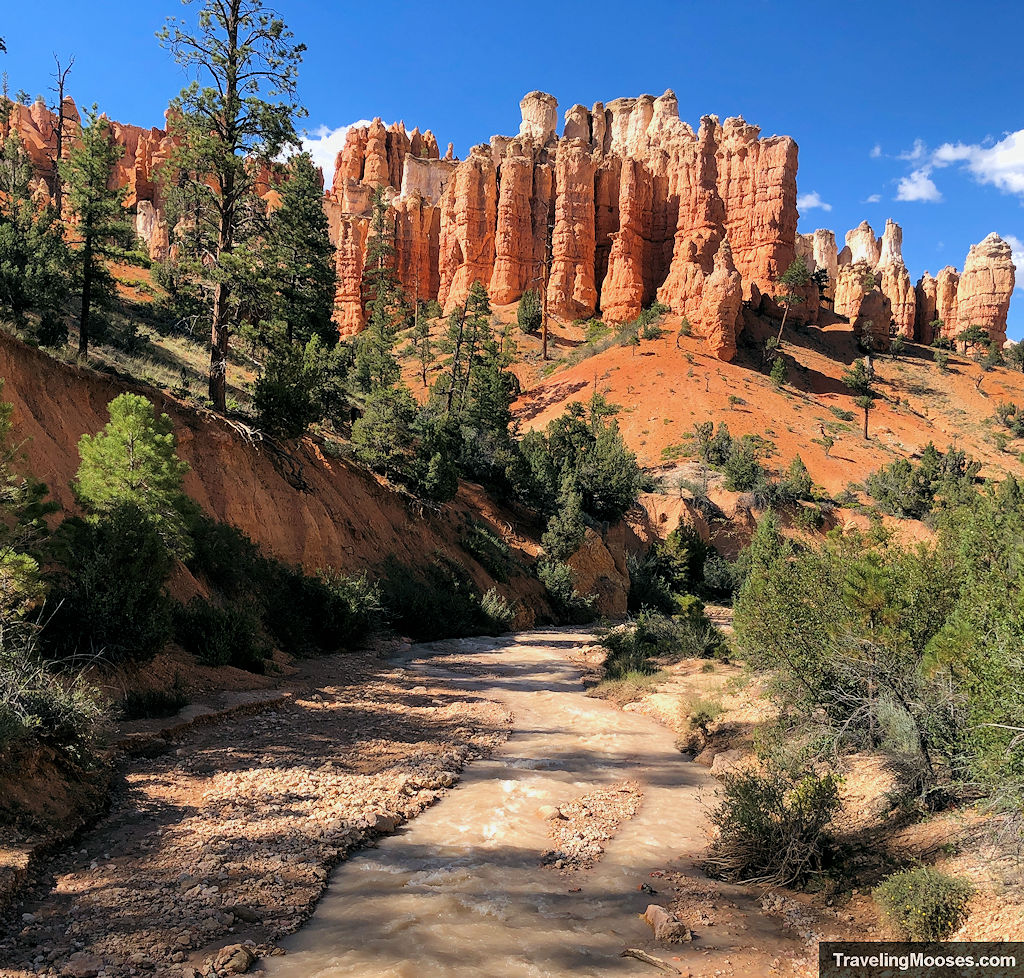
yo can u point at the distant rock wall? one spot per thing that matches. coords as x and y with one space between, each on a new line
978 297
138 169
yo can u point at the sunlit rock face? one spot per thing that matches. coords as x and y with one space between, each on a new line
984 290
628 205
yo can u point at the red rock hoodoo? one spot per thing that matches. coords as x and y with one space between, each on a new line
629 204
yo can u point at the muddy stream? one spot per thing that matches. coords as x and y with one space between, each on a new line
461 890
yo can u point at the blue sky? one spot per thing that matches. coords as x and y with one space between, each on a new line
908 110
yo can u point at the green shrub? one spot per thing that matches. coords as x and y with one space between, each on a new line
321 613
305 614
497 612
742 469
627 688
62 711
652 331
720 581
568 604
778 372
227 636
145 704
431 309
52 330
1011 416
666 571
842 414
773 827
433 602
909 490
226 558
923 904
490 550
701 712
631 647
108 598
686 635
529 313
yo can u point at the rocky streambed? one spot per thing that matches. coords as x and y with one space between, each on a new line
226 839
280 840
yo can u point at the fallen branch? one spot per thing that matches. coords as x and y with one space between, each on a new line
635 952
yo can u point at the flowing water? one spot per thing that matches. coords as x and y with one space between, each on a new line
460 890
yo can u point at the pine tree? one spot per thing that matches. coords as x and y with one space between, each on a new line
791 282
100 220
453 361
859 378
133 462
295 258
566 528
421 346
300 257
376 364
609 476
33 255
797 483
231 128
383 435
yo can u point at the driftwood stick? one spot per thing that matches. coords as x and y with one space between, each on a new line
635 952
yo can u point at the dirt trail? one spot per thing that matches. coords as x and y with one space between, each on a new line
464 891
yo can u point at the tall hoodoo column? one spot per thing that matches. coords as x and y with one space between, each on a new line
894 280
469 211
572 292
984 290
514 269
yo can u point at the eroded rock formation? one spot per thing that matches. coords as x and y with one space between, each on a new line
978 297
628 205
469 210
895 283
138 169
925 295
983 293
946 285
718 316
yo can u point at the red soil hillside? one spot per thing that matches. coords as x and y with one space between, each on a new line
666 386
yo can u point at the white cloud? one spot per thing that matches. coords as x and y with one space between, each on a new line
873 199
918 186
876 151
324 144
807 202
1018 257
917 153
1000 164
